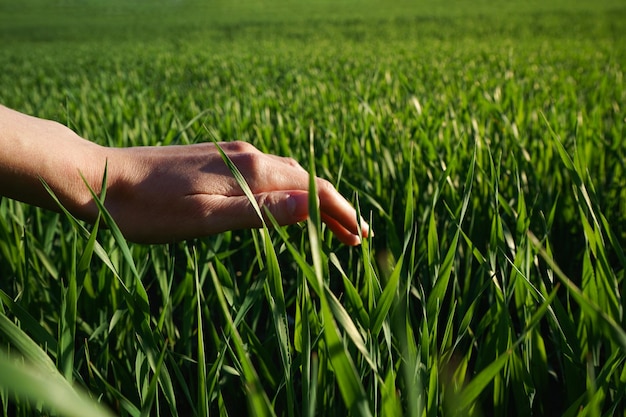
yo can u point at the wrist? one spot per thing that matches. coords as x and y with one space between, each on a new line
70 169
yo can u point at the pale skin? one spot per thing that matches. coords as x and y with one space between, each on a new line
161 194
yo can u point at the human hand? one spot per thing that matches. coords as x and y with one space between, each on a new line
161 194
170 193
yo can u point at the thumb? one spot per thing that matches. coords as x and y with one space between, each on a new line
287 207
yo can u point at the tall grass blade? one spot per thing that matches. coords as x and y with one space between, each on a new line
258 401
67 322
386 300
137 300
614 330
98 249
203 392
38 385
151 394
29 324
274 285
276 297
26 346
348 380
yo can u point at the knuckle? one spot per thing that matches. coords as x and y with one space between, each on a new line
249 163
292 162
324 185
240 146
263 200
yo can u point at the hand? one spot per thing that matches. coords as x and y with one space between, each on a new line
163 194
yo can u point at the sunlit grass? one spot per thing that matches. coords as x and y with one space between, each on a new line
489 163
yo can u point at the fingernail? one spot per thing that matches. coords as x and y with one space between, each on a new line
366 230
298 206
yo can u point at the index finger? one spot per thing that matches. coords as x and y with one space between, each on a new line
266 173
338 213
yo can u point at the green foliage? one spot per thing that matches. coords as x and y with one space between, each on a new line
484 141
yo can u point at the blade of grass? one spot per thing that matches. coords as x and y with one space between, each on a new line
257 398
352 293
40 386
203 393
348 380
475 387
614 330
98 249
25 345
385 301
29 325
151 393
276 298
137 300
67 322
274 285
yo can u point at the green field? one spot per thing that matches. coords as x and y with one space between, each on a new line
484 141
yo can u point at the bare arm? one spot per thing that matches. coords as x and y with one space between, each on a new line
31 148
160 194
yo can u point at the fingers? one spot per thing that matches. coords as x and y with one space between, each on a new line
270 176
344 235
188 191
334 206
236 212
287 207
266 173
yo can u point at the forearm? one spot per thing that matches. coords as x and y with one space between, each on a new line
32 149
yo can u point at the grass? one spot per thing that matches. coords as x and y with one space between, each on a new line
484 144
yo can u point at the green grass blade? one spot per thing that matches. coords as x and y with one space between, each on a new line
238 177
615 331
203 393
39 386
443 279
25 345
257 398
476 386
274 285
385 301
29 325
138 302
117 235
67 322
352 293
351 331
276 297
98 249
348 380
309 371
